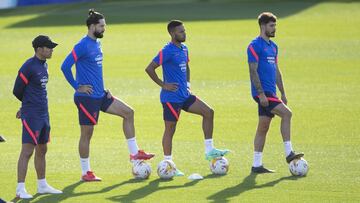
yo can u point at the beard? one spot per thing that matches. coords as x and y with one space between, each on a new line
180 39
99 34
270 34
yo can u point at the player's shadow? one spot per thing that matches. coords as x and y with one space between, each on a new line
69 192
152 187
249 183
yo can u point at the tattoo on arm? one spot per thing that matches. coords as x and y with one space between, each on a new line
254 77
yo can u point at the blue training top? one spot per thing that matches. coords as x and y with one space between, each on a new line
174 61
30 88
87 56
265 54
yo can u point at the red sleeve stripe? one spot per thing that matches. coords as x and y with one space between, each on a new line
87 114
30 132
254 53
74 55
22 76
172 110
160 57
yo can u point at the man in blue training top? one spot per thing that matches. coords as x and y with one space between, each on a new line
30 89
91 97
265 75
175 91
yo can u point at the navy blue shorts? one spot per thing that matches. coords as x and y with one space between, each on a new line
273 102
89 108
35 130
172 110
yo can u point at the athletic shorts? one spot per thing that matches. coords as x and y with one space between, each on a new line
171 110
35 130
273 102
89 108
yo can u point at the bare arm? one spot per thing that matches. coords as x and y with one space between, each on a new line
279 81
254 77
150 70
280 84
188 72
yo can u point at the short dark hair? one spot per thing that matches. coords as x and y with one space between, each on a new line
172 24
93 17
266 17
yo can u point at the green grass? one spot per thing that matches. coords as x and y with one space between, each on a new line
319 56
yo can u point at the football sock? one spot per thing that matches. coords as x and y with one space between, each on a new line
20 186
85 165
42 183
257 159
167 157
132 145
288 148
209 145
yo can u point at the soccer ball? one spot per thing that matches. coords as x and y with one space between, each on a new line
141 170
298 167
219 166
166 169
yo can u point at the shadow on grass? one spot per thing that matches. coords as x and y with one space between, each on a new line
124 12
69 192
249 183
152 187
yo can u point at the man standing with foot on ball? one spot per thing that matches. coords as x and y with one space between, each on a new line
265 75
175 92
90 96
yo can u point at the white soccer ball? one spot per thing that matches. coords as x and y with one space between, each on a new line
141 170
166 169
219 166
299 167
